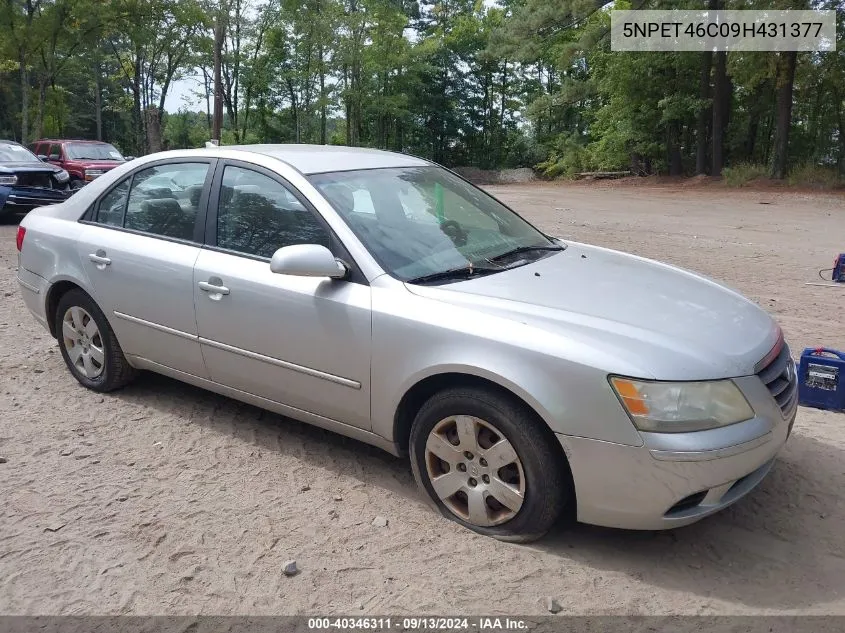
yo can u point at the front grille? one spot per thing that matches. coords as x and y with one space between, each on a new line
35 179
780 379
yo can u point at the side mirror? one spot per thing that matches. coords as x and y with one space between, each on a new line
307 260
43 158
128 158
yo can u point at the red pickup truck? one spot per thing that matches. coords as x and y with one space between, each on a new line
83 160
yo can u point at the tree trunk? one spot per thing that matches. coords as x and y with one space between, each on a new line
786 79
217 117
503 109
751 137
676 163
294 110
357 122
207 86
840 119
636 164
154 141
323 114
38 128
768 138
137 122
348 104
813 126
721 109
705 114
720 98
98 98
24 95
755 111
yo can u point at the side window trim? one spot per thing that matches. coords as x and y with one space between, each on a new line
90 215
210 237
131 180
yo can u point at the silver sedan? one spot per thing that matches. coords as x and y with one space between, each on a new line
382 297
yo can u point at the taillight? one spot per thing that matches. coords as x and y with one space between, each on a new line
19 239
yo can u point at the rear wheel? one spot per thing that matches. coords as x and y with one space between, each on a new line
88 344
488 463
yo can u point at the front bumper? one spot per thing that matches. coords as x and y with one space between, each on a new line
675 479
16 199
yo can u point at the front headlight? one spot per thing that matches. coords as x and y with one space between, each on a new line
62 176
681 407
9 180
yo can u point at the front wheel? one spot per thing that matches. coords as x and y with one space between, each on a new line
488 463
88 344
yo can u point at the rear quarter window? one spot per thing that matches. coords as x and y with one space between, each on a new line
112 207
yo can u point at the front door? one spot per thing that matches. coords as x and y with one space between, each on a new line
300 341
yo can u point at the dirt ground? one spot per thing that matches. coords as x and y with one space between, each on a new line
164 499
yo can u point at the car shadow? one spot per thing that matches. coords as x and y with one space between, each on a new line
746 554
7 219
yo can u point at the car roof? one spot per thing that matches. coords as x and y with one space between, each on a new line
315 159
2 140
70 140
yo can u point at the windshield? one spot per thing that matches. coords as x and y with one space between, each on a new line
12 153
92 151
423 221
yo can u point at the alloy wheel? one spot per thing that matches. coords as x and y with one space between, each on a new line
83 342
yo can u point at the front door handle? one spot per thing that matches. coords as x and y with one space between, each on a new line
101 260
213 289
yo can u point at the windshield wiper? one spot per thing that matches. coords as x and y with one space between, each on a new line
464 272
526 249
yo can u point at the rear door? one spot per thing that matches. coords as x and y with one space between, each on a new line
139 247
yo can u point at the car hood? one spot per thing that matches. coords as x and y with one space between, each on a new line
656 320
35 166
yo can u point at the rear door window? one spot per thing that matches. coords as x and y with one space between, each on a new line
161 200
164 200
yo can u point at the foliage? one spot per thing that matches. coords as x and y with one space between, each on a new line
463 82
743 173
808 174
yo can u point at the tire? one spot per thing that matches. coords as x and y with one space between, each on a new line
539 470
76 184
105 368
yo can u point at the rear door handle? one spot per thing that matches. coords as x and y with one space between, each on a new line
212 289
100 260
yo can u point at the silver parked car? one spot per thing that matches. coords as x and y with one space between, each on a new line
383 297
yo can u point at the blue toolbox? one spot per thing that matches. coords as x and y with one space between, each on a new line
821 379
839 269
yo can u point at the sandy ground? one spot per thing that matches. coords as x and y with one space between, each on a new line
164 499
